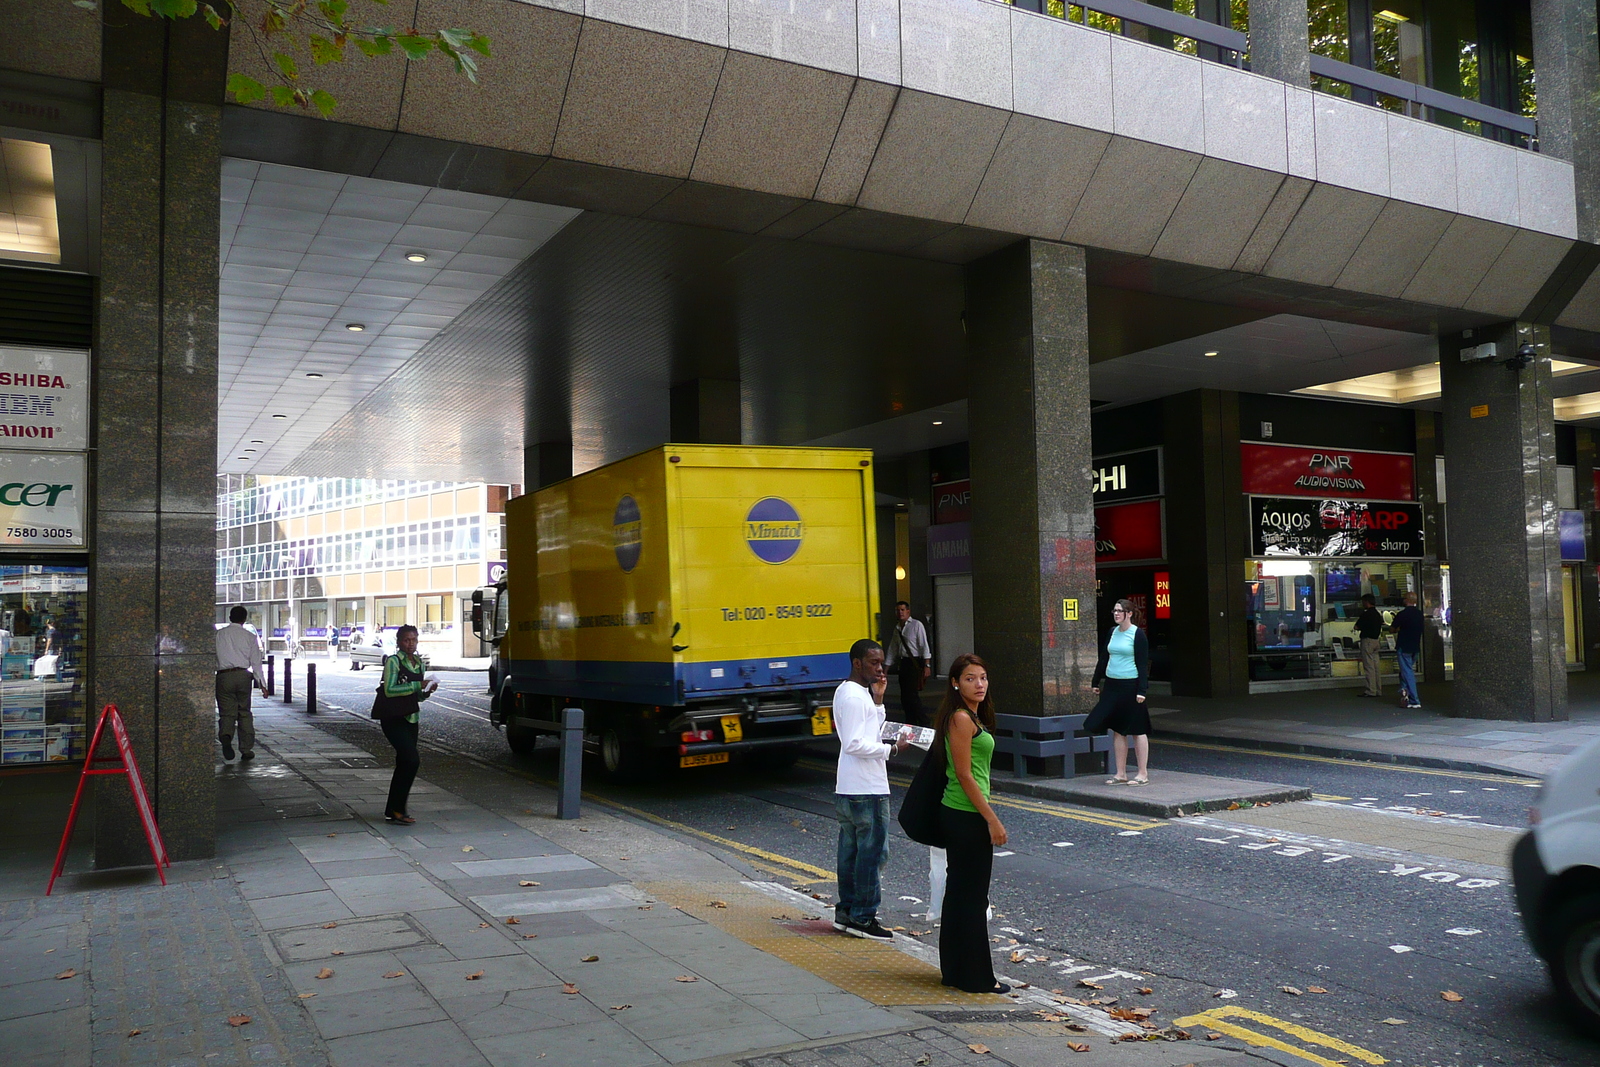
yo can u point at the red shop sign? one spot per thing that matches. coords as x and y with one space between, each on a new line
1163 595
1129 533
1290 470
952 501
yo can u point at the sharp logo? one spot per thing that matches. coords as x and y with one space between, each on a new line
37 495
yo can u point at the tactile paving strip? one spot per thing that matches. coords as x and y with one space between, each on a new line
872 970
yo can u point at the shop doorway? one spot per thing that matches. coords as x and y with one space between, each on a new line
952 618
1301 614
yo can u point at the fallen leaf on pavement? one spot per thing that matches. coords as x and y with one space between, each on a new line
1077 1046
568 988
982 1050
719 903
1145 991
646 907
333 835
1393 1022
135 1033
529 937
1213 1036
337 952
922 1060
1452 996
305 996
583 829
686 978
395 974
621 1007
1131 1037
1020 954
68 973
474 976
1036 929
512 920
238 1020
1315 989
525 882
1292 991
329 926
467 848
326 972
590 959
1224 994
1085 983
483 926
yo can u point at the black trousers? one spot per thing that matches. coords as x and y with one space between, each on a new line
403 736
910 671
964 936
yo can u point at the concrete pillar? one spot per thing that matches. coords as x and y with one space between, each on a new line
1280 40
1433 541
1568 64
706 411
1505 551
1033 516
546 463
154 565
1207 538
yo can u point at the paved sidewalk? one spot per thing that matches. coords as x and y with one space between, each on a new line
1336 722
486 934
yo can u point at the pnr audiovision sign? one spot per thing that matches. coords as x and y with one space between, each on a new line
42 498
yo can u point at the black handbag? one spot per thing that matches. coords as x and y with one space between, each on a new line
388 707
919 811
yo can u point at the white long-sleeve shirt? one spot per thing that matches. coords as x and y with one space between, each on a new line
238 647
910 640
863 758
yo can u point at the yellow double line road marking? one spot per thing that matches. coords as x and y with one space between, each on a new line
1217 1019
771 861
1470 776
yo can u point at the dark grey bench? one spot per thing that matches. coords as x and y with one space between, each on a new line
1022 736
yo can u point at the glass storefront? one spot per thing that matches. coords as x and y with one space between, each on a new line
1301 616
43 715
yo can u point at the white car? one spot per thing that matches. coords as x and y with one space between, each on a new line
365 651
1556 869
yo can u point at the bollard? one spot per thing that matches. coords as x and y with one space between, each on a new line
311 688
570 784
288 680
272 686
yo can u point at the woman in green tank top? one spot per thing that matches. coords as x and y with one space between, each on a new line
971 829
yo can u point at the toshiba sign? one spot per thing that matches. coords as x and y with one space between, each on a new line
44 399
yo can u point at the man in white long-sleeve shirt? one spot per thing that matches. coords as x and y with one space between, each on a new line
861 791
238 670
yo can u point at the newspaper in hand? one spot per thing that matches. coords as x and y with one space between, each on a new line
921 736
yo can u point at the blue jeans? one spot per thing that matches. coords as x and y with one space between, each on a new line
1408 677
863 850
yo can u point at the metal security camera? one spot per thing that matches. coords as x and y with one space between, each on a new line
1526 354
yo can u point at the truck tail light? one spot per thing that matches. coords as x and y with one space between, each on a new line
698 735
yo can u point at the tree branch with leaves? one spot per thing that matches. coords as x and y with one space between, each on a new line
289 32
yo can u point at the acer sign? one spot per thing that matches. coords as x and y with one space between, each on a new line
1335 529
1291 470
42 499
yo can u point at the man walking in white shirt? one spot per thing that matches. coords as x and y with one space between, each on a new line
861 792
911 659
238 670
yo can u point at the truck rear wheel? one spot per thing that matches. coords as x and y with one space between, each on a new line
522 739
623 757
1575 959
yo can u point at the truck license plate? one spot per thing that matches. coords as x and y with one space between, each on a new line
822 722
704 759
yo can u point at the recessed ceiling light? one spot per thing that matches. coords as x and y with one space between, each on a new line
355 327
244 457
248 450
258 442
312 374
1210 354
417 257
280 416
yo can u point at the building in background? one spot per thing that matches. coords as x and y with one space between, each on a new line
314 559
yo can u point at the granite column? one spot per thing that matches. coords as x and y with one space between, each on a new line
546 463
1280 40
1568 62
1033 568
1505 550
1431 494
153 569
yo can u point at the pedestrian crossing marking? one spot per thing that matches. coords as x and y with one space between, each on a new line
1217 1019
1399 768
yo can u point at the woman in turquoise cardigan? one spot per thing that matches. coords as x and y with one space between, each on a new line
971 829
1122 679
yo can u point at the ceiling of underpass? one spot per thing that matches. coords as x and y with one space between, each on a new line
527 322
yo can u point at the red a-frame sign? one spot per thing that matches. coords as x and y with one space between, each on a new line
125 765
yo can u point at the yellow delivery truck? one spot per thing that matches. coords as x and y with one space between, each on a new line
694 600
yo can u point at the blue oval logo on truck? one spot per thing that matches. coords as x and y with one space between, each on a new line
773 530
627 532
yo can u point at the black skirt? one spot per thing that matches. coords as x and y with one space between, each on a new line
1119 704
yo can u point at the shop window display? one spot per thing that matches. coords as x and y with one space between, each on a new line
42 713
1301 615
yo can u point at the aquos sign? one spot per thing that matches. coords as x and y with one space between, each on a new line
1335 529
42 499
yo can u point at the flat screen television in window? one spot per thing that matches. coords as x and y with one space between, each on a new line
1343 583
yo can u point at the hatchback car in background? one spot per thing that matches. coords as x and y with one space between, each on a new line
1556 868
370 651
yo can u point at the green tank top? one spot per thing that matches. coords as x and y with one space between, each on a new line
982 753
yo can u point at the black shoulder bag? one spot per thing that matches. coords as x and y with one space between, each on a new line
388 707
919 811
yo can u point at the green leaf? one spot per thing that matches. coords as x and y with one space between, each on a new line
87 5
283 95
173 9
414 45
245 89
479 44
138 7
455 38
378 46
324 102
325 51
286 64
214 17
335 10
